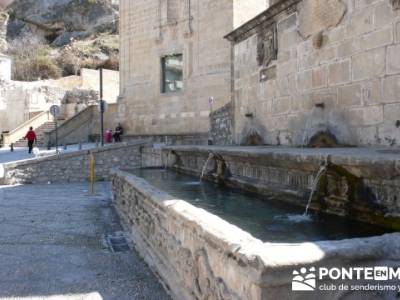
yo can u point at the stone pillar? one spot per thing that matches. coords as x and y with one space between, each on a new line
3 31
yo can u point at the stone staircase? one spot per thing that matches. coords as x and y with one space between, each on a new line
40 134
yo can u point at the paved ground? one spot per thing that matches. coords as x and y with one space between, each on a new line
51 247
22 153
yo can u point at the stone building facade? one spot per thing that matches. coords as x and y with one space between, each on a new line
327 71
174 59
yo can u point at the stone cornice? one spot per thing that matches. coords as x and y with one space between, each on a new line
250 28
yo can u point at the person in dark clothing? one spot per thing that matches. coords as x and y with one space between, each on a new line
119 131
31 137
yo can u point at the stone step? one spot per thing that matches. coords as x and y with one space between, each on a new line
40 134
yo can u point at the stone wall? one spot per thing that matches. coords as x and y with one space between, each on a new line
151 157
172 139
337 71
84 126
22 100
201 256
152 29
19 101
360 185
221 127
184 244
74 166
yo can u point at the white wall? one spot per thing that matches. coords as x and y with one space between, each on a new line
5 68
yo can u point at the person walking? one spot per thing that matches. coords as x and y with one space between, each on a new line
31 137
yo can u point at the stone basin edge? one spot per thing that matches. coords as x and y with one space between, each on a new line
270 255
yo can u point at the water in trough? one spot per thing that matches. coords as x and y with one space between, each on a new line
264 217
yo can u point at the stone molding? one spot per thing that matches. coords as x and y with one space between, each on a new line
263 20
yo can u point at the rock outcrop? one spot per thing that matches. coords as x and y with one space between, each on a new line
48 20
60 35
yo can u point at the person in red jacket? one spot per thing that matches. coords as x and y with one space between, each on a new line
31 137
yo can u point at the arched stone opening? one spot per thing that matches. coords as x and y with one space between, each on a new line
323 139
253 139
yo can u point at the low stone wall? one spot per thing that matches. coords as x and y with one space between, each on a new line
172 139
72 167
151 157
361 184
201 256
84 126
221 125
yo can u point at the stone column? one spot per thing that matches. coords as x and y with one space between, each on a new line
5 62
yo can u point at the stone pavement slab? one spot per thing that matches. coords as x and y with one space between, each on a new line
52 247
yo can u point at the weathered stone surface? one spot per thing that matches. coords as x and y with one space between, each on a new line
221 125
3 30
148 34
349 95
397 32
361 21
319 15
69 15
391 88
369 64
73 167
393 59
81 96
377 39
373 115
339 72
350 75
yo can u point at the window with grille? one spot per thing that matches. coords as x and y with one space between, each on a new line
172 73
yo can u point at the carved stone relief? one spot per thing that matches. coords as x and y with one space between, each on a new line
267 46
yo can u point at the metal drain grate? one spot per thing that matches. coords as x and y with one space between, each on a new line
117 242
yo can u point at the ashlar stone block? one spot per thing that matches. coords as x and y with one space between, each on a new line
349 95
373 115
339 72
369 64
393 59
391 88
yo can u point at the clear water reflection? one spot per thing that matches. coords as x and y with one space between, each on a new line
265 218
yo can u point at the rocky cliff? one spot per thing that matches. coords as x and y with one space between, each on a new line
60 36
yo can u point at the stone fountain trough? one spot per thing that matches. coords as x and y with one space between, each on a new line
200 256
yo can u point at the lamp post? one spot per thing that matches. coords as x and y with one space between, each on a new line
101 108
